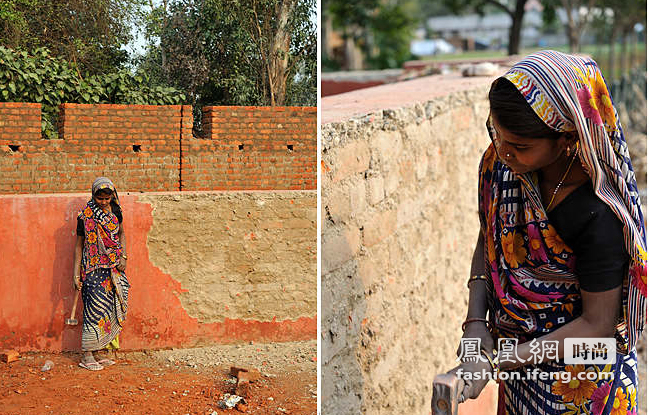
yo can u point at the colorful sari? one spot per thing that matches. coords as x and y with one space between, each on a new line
105 288
533 287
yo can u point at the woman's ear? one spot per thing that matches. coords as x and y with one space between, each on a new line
570 140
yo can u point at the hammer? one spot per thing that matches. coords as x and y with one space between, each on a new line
446 394
73 321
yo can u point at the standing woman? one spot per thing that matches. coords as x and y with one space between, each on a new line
99 272
562 250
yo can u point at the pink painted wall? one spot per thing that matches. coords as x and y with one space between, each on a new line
36 294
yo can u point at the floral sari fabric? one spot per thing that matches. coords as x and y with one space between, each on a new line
105 288
101 248
532 283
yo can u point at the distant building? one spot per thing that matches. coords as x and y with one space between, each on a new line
493 29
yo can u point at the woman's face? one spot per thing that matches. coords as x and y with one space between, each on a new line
524 155
103 199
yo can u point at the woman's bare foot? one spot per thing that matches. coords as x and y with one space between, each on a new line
88 362
107 357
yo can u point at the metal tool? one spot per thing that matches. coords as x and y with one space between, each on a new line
446 394
73 321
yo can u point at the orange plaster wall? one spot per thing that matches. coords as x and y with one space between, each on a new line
36 294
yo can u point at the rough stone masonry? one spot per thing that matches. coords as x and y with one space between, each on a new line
399 223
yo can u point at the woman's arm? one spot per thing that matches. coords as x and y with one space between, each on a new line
122 241
596 320
477 308
78 247
477 289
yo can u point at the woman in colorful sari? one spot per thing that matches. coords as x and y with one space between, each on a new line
562 250
100 265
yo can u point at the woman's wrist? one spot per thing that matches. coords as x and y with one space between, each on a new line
476 320
475 278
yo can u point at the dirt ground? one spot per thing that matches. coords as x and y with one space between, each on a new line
177 381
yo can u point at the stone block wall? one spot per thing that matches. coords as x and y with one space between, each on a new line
399 223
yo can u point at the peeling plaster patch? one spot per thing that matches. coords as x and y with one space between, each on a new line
238 255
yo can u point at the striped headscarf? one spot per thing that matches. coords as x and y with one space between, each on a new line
569 94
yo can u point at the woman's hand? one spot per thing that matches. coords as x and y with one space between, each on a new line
76 280
122 264
478 330
476 381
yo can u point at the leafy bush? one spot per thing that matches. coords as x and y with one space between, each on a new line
39 77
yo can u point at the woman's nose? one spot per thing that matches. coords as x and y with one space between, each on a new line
505 150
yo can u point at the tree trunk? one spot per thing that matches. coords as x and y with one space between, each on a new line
325 36
515 31
572 31
611 55
353 57
634 47
624 55
279 53
163 50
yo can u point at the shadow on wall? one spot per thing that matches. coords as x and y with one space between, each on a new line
62 291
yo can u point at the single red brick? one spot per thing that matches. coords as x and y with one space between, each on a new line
9 356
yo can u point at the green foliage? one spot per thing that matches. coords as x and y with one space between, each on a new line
392 28
381 30
90 33
217 52
39 77
347 15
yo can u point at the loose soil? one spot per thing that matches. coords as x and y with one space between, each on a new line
177 381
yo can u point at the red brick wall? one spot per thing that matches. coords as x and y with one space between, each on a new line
330 87
20 127
94 140
99 140
259 148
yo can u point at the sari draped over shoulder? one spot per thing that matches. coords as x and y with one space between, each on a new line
531 271
105 288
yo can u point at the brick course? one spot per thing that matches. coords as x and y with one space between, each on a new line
151 148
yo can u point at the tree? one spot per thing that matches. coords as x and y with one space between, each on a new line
391 29
48 80
576 20
353 19
89 33
514 8
283 35
380 30
614 20
241 52
627 13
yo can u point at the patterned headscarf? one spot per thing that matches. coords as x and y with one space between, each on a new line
569 94
102 183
